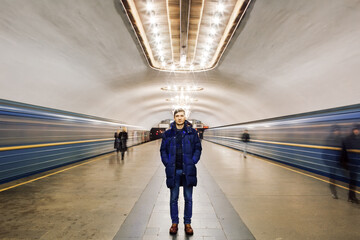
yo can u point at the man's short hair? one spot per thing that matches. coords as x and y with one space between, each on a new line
179 110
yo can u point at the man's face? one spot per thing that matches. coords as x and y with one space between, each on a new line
179 118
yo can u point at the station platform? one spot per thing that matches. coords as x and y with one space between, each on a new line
236 198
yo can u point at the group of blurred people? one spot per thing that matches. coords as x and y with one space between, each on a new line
345 159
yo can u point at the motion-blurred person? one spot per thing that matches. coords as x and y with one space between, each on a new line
333 160
180 151
117 141
246 139
201 134
350 148
123 137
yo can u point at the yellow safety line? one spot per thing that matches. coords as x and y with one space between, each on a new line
51 144
48 175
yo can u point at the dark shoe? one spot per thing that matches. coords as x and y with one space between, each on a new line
354 200
173 229
188 229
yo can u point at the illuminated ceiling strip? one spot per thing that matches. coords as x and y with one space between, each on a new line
134 18
145 43
198 31
224 42
169 24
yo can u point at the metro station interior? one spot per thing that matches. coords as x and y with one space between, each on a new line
77 75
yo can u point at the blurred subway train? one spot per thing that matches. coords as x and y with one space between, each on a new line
35 139
303 141
156 133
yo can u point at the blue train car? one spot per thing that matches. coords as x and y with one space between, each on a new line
35 139
301 140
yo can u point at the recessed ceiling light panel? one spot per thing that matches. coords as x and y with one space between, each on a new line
184 35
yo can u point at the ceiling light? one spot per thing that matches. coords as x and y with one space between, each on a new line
149 6
159 46
183 60
146 15
187 99
209 40
152 20
191 88
220 7
157 39
212 31
156 30
216 20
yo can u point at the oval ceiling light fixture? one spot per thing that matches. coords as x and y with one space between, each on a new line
182 88
186 99
166 23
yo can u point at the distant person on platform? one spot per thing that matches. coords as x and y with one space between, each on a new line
123 137
246 139
180 151
349 160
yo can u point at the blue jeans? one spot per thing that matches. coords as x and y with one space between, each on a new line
174 196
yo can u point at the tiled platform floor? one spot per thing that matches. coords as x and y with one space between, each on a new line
213 215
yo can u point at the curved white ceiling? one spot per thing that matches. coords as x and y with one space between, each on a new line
288 56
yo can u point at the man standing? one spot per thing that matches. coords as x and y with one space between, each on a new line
180 151
245 138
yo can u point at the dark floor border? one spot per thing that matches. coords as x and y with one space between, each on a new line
135 224
232 224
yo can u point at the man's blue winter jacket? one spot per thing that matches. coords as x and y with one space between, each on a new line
191 154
